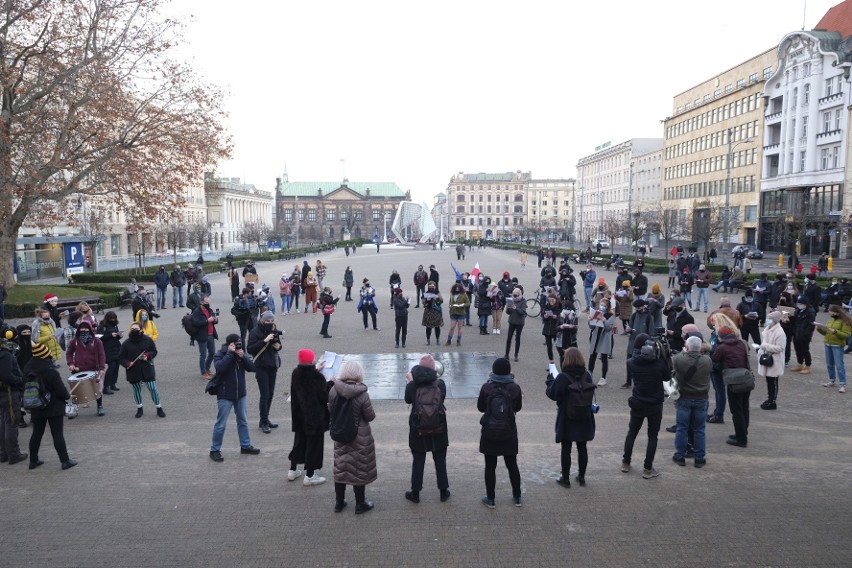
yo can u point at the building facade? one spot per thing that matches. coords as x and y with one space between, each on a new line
550 209
487 206
441 215
604 188
318 211
231 205
716 121
804 191
646 194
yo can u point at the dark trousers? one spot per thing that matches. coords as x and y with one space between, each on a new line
420 291
9 447
348 291
787 346
419 461
296 294
56 423
401 328
307 449
549 339
111 374
751 330
604 363
437 333
266 385
582 458
771 388
364 312
326 318
340 492
803 351
721 394
491 475
636 420
738 402
515 330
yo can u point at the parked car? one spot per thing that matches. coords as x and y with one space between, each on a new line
187 252
603 242
642 243
750 252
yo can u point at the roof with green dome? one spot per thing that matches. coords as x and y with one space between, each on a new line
309 188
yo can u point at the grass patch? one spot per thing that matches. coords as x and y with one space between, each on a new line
34 294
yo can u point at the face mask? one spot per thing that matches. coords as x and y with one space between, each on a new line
789 288
679 309
144 318
84 335
769 323
800 306
748 299
46 318
604 307
835 316
135 333
834 283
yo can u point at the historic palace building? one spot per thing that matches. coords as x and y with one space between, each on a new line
487 206
230 205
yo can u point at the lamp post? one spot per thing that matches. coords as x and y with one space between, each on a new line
726 223
630 211
573 182
582 200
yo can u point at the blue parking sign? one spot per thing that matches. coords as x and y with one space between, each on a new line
75 258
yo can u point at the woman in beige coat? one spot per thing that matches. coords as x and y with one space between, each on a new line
774 342
355 462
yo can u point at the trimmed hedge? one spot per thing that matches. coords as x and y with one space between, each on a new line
109 294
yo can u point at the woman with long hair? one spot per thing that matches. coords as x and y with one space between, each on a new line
836 332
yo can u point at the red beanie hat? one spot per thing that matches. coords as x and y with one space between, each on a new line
306 357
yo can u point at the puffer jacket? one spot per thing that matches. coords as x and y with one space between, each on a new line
624 299
648 375
731 353
355 462
803 324
424 376
557 390
85 357
232 384
148 326
142 370
400 306
112 345
44 332
309 400
483 305
773 342
640 322
508 447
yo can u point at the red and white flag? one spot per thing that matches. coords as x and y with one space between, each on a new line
474 274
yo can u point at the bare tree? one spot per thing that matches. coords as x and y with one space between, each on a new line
198 231
706 223
92 104
668 226
613 227
255 232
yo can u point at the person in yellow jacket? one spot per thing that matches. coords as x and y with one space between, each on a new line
44 333
836 332
143 318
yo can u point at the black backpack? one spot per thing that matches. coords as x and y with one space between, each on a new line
579 403
428 411
188 326
36 397
342 427
498 422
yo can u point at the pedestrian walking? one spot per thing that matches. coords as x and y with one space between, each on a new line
517 310
433 316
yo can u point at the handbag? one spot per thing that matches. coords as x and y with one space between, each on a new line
328 309
740 380
766 360
71 410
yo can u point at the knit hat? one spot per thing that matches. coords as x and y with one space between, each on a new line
501 367
267 316
655 288
640 340
40 350
601 280
639 303
306 357
626 283
676 302
775 316
516 293
50 298
365 280
726 331
801 300
232 338
427 361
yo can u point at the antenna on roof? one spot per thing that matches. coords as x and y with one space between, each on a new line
804 14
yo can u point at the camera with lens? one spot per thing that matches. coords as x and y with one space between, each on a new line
583 274
238 345
217 312
277 333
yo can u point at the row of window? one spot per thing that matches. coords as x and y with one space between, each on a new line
461 197
714 164
606 164
815 201
331 215
487 209
714 116
744 184
712 140
767 73
490 187
489 221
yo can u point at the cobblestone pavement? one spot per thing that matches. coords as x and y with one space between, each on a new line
146 493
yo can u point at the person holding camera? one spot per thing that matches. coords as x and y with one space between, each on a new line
571 428
264 343
232 362
205 319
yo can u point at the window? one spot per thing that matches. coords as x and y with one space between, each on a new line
752 78
330 214
716 94
115 245
823 154
829 87
837 119
741 83
312 214
750 213
344 214
806 94
804 127
376 215
359 215
288 215
835 157
802 156
794 99
728 88
826 121
460 209
806 70
301 214
460 197
767 72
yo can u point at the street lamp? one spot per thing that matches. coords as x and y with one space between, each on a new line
573 182
727 221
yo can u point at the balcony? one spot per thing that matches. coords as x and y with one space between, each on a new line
828 137
773 118
772 148
831 101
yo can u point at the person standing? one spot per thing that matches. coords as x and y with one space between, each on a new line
348 281
232 362
205 319
328 304
44 333
692 369
394 282
296 287
286 293
111 338
702 282
178 280
244 311
567 335
648 372
147 324
264 345
355 461
367 304
803 333
640 322
234 283
309 417
686 283
136 355
731 352
320 273
523 260
434 277
550 324
500 398
459 302
601 323
589 278
86 353
836 333
53 415
677 318
161 281
750 311
483 305
11 395
401 304
433 315
774 341
517 310
498 302
311 285
574 429
422 382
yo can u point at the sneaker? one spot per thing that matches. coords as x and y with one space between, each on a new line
625 467
679 460
700 463
139 412
160 412
828 384
626 386
517 501
842 388
69 464
413 496
672 428
602 383
315 479
216 457
498 331
650 473
488 502
293 475
250 450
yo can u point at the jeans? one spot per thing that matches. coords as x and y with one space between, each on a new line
286 303
721 394
691 413
326 318
483 321
491 475
225 407
177 296
440 459
687 297
739 414
206 350
834 362
266 385
372 314
702 293
161 297
636 419
588 293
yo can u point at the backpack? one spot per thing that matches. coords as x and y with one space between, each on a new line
428 411
579 403
342 427
35 395
498 422
188 326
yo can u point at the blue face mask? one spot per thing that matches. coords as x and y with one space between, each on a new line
144 318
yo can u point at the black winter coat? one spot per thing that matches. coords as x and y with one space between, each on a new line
803 328
52 384
557 389
813 293
142 370
309 400
748 307
269 359
400 306
11 384
648 377
676 322
231 373
112 345
199 320
424 376
483 307
502 447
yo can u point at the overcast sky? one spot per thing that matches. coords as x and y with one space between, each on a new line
416 92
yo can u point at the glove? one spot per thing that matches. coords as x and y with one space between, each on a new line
756 346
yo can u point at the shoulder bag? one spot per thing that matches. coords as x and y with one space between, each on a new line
740 380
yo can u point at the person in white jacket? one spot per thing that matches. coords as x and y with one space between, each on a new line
774 342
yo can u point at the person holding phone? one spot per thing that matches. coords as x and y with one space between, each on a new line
836 332
232 362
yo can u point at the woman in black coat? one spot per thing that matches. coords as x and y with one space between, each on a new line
137 355
309 417
54 414
500 438
424 375
567 431
550 324
111 339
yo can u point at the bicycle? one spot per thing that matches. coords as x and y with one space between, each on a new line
536 303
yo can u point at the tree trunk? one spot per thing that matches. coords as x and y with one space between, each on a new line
8 240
